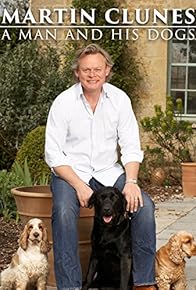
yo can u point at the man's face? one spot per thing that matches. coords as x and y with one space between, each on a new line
92 72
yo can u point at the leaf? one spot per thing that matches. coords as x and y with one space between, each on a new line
27 174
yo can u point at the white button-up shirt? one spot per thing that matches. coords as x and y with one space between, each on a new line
87 141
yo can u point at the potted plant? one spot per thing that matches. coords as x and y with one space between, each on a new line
177 139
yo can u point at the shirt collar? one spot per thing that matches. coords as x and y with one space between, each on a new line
105 91
80 90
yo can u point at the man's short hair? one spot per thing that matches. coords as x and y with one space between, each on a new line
92 49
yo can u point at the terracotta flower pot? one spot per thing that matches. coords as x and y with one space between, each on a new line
36 201
189 178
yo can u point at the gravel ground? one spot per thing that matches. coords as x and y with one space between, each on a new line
10 231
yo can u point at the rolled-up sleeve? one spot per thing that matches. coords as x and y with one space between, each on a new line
128 133
55 137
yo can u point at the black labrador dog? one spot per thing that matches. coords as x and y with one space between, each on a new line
110 260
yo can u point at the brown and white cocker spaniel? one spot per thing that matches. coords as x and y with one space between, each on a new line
170 261
29 266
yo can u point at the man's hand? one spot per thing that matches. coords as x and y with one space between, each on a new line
84 192
133 196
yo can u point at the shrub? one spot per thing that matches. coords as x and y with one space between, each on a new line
32 150
30 78
22 6
173 135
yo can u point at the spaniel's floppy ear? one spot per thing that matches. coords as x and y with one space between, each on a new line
45 245
92 200
176 253
23 240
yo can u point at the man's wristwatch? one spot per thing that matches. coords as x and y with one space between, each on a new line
131 180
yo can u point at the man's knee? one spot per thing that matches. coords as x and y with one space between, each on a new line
148 202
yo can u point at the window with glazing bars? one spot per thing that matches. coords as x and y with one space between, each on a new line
182 68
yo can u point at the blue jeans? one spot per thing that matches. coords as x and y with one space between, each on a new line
65 214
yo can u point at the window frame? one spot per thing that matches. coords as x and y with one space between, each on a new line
186 90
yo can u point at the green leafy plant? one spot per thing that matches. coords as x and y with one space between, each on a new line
174 135
8 180
23 173
30 78
18 176
44 179
32 152
22 6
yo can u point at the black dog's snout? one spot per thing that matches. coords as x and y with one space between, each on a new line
36 234
107 209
